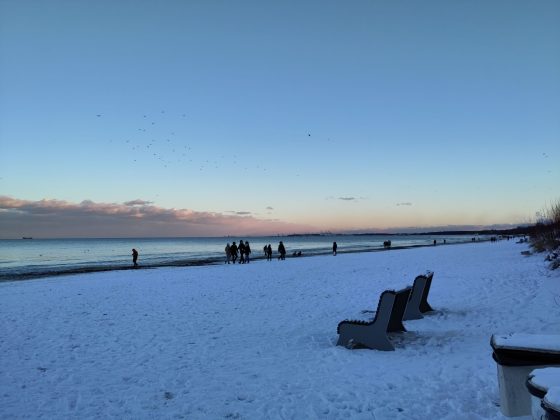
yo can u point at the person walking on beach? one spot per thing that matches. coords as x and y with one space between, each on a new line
228 253
334 247
281 251
247 251
241 252
269 253
134 257
233 250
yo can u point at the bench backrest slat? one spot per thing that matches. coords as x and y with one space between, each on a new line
385 307
424 305
397 313
413 308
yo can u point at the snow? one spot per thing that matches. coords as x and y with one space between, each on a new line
544 343
552 398
258 341
545 378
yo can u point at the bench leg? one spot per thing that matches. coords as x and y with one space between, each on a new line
379 342
366 335
412 313
425 307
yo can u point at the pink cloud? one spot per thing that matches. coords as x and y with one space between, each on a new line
137 202
57 218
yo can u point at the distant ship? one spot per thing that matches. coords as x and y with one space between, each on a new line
27 237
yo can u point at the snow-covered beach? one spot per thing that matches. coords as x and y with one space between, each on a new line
258 341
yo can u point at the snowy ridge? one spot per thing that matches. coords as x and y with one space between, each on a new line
552 399
545 378
549 343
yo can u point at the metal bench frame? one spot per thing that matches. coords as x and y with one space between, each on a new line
418 302
373 334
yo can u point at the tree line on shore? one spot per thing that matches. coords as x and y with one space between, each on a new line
545 234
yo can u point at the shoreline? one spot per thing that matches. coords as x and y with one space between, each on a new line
4 278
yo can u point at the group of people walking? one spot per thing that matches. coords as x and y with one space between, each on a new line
243 252
267 249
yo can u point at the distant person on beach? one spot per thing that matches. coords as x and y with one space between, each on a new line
134 257
247 251
334 247
281 251
241 252
435 242
233 250
269 252
228 253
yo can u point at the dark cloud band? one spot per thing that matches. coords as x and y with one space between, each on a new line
57 218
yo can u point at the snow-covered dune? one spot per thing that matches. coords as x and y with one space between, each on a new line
257 341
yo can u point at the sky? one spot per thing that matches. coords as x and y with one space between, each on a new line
210 118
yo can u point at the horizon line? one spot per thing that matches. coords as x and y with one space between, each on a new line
487 229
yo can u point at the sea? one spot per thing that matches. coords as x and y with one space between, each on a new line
32 258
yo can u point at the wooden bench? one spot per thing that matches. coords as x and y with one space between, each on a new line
418 302
373 334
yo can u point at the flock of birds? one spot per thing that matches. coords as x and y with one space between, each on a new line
145 144
150 143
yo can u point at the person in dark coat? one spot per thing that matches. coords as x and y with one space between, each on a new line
228 253
233 250
134 257
281 251
334 247
247 251
241 252
269 253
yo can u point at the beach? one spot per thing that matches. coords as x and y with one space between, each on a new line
258 341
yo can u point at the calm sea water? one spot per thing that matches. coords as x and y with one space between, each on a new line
21 258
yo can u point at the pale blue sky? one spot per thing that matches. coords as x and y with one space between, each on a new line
325 114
